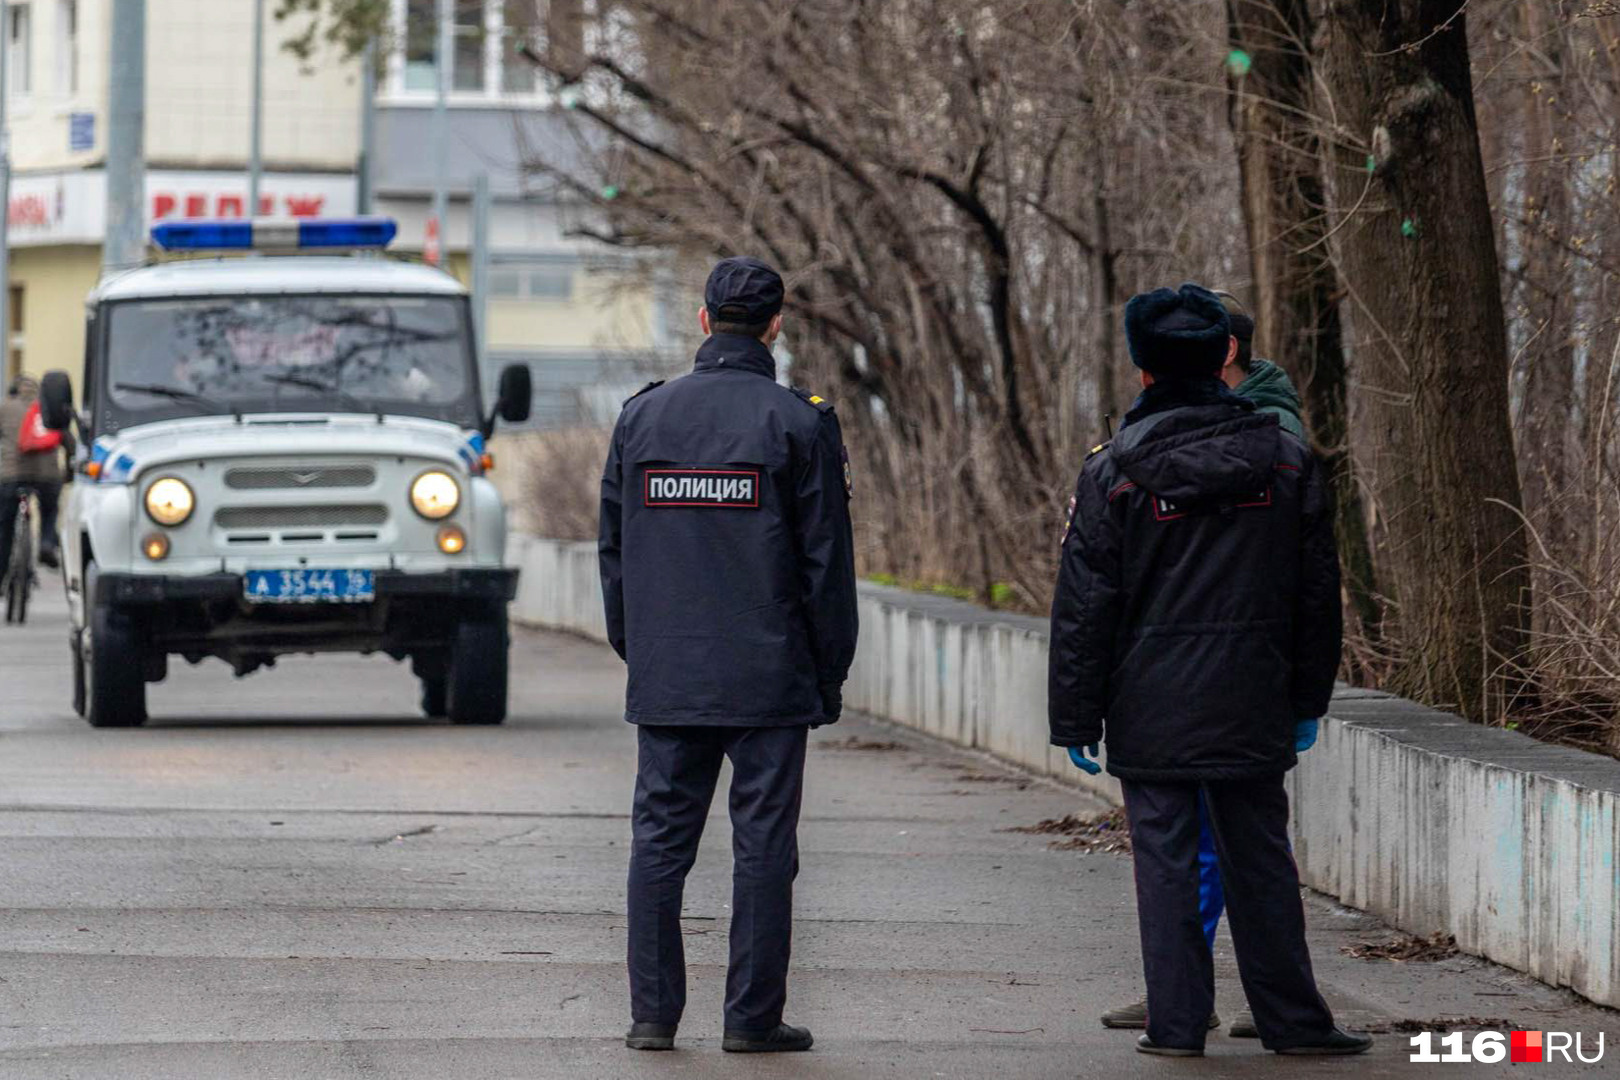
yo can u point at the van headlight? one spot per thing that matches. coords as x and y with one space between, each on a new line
435 495
170 501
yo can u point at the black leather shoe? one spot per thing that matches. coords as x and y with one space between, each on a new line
1338 1043
49 557
1243 1026
1145 1045
651 1037
783 1039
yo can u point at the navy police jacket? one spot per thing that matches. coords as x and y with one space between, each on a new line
1197 616
728 568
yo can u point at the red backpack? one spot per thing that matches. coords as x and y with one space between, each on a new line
35 437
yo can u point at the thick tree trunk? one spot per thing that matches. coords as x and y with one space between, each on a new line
1418 256
1295 284
1546 432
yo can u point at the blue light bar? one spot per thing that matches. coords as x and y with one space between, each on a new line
203 235
350 233
278 235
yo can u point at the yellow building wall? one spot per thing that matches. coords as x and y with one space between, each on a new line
607 311
54 281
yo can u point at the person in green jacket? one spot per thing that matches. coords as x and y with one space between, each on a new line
1261 381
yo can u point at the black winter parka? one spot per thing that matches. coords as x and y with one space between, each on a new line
1197 615
727 558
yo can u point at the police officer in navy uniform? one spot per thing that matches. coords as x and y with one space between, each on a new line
1196 622
728 574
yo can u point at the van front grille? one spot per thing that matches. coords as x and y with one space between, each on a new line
271 478
335 516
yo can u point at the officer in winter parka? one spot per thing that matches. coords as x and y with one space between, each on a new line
1196 620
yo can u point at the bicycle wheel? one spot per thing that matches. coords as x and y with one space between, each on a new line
22 571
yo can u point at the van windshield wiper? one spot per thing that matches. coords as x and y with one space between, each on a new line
175 393
309 382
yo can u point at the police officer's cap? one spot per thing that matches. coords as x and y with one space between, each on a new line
743 290
1177 333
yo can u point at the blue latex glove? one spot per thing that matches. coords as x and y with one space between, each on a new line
1304 735
1077 754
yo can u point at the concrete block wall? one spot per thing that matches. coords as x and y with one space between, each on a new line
974 677
1430 822
559 587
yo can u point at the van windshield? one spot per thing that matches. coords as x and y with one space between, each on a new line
409 355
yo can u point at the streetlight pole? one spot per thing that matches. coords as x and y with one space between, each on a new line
125 245
255 151
443 57
368 127
480 266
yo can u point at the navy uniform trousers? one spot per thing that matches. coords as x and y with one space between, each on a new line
1249 819
675 779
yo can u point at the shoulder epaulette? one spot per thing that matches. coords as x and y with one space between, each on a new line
655 384
813 399
1099 448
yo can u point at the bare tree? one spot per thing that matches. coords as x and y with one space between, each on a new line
945 183
1295 282
1419 258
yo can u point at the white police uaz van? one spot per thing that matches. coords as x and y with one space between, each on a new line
284 454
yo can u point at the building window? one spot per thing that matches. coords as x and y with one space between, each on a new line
467 67
19 50
420 37
522 23
67 46
549 283
486 52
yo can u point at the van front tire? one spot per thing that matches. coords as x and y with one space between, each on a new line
114 670
476 685
435 696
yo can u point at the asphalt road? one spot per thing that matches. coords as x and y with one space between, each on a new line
292 876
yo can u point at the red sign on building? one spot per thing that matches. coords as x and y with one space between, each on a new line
201 204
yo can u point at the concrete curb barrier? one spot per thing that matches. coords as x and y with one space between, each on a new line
1430 822
559 587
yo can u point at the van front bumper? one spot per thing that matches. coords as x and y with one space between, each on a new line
498 584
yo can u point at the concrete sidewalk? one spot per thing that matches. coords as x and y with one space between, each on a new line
291 876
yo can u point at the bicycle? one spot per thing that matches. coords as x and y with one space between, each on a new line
18 581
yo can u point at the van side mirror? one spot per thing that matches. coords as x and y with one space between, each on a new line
56 400
516 397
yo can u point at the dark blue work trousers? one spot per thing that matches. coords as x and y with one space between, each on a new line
675 780
1249 822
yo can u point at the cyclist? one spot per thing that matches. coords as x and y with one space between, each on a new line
30 460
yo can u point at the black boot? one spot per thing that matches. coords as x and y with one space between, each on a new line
783 1039
651 1037
1337 1043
